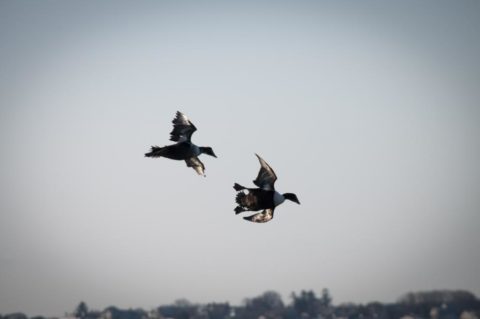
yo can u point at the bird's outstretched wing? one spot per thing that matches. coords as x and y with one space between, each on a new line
262 217
266 176
182 128
196 164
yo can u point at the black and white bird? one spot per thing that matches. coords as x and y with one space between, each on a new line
184 149
265 197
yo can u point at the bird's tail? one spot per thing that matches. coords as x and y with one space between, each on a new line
241 199
155 151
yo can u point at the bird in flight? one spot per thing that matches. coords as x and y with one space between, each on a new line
265 197
184 149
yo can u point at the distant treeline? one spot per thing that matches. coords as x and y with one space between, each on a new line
440 304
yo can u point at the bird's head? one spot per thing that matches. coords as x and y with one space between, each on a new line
207 150
292 197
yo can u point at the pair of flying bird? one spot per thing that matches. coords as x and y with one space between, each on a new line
264 198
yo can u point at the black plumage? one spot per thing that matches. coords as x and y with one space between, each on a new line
265 197
184 149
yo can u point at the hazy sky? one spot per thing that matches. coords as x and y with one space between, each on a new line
367 110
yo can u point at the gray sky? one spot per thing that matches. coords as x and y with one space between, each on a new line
367 110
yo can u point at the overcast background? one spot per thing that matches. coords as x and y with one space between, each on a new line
367 110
